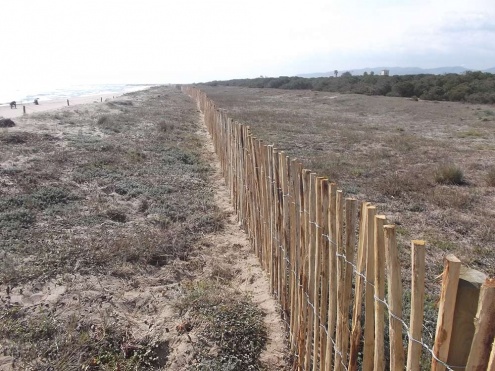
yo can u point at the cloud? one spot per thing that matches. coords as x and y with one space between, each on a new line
194 40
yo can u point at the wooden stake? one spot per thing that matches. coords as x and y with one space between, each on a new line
317 269
394 299
339 231
450 282
367 211
311 269
466 306
350 243
369 314
324 269
417 304
332 273
379 258
479 356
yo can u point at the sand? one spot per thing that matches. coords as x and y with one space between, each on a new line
50 105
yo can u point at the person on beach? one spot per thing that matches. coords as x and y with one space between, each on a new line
13 104
36 101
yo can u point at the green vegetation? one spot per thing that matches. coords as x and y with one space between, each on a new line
230 321
472 87
50 342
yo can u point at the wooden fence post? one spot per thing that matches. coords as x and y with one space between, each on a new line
450 282
369 314
481 347
318 284
394 299
379 260
339 241
350 244
311 242
466 306
323 222
417 305
367 212
332 273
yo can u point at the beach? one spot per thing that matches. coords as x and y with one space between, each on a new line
49 105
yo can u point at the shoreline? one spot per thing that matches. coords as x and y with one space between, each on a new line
52 105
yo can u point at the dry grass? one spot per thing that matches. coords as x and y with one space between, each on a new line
449 174
95 204
392 152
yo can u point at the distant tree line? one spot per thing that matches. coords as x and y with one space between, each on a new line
472 87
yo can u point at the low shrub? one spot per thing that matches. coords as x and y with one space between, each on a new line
231 323
449 174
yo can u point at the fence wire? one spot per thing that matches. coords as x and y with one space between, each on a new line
355 270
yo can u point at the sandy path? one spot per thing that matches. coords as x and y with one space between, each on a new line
49 105
233 246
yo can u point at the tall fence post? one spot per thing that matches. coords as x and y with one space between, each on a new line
394 299
479 356
367 212
318 284
417 305
339 246
466 305
332 273
443 333
379 258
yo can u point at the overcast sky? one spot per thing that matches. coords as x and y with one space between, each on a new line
160 41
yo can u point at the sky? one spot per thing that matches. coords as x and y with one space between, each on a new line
184 41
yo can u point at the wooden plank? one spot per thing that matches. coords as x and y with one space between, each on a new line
394 299
448 295
379 260
417 304
484 334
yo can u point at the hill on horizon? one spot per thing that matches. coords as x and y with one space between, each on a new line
399 71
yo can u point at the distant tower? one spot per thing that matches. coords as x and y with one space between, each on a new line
385 72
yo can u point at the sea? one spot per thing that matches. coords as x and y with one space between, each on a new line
45 93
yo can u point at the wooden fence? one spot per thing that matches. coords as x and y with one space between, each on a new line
333 266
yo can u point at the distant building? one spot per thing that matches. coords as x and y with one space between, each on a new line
385 73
